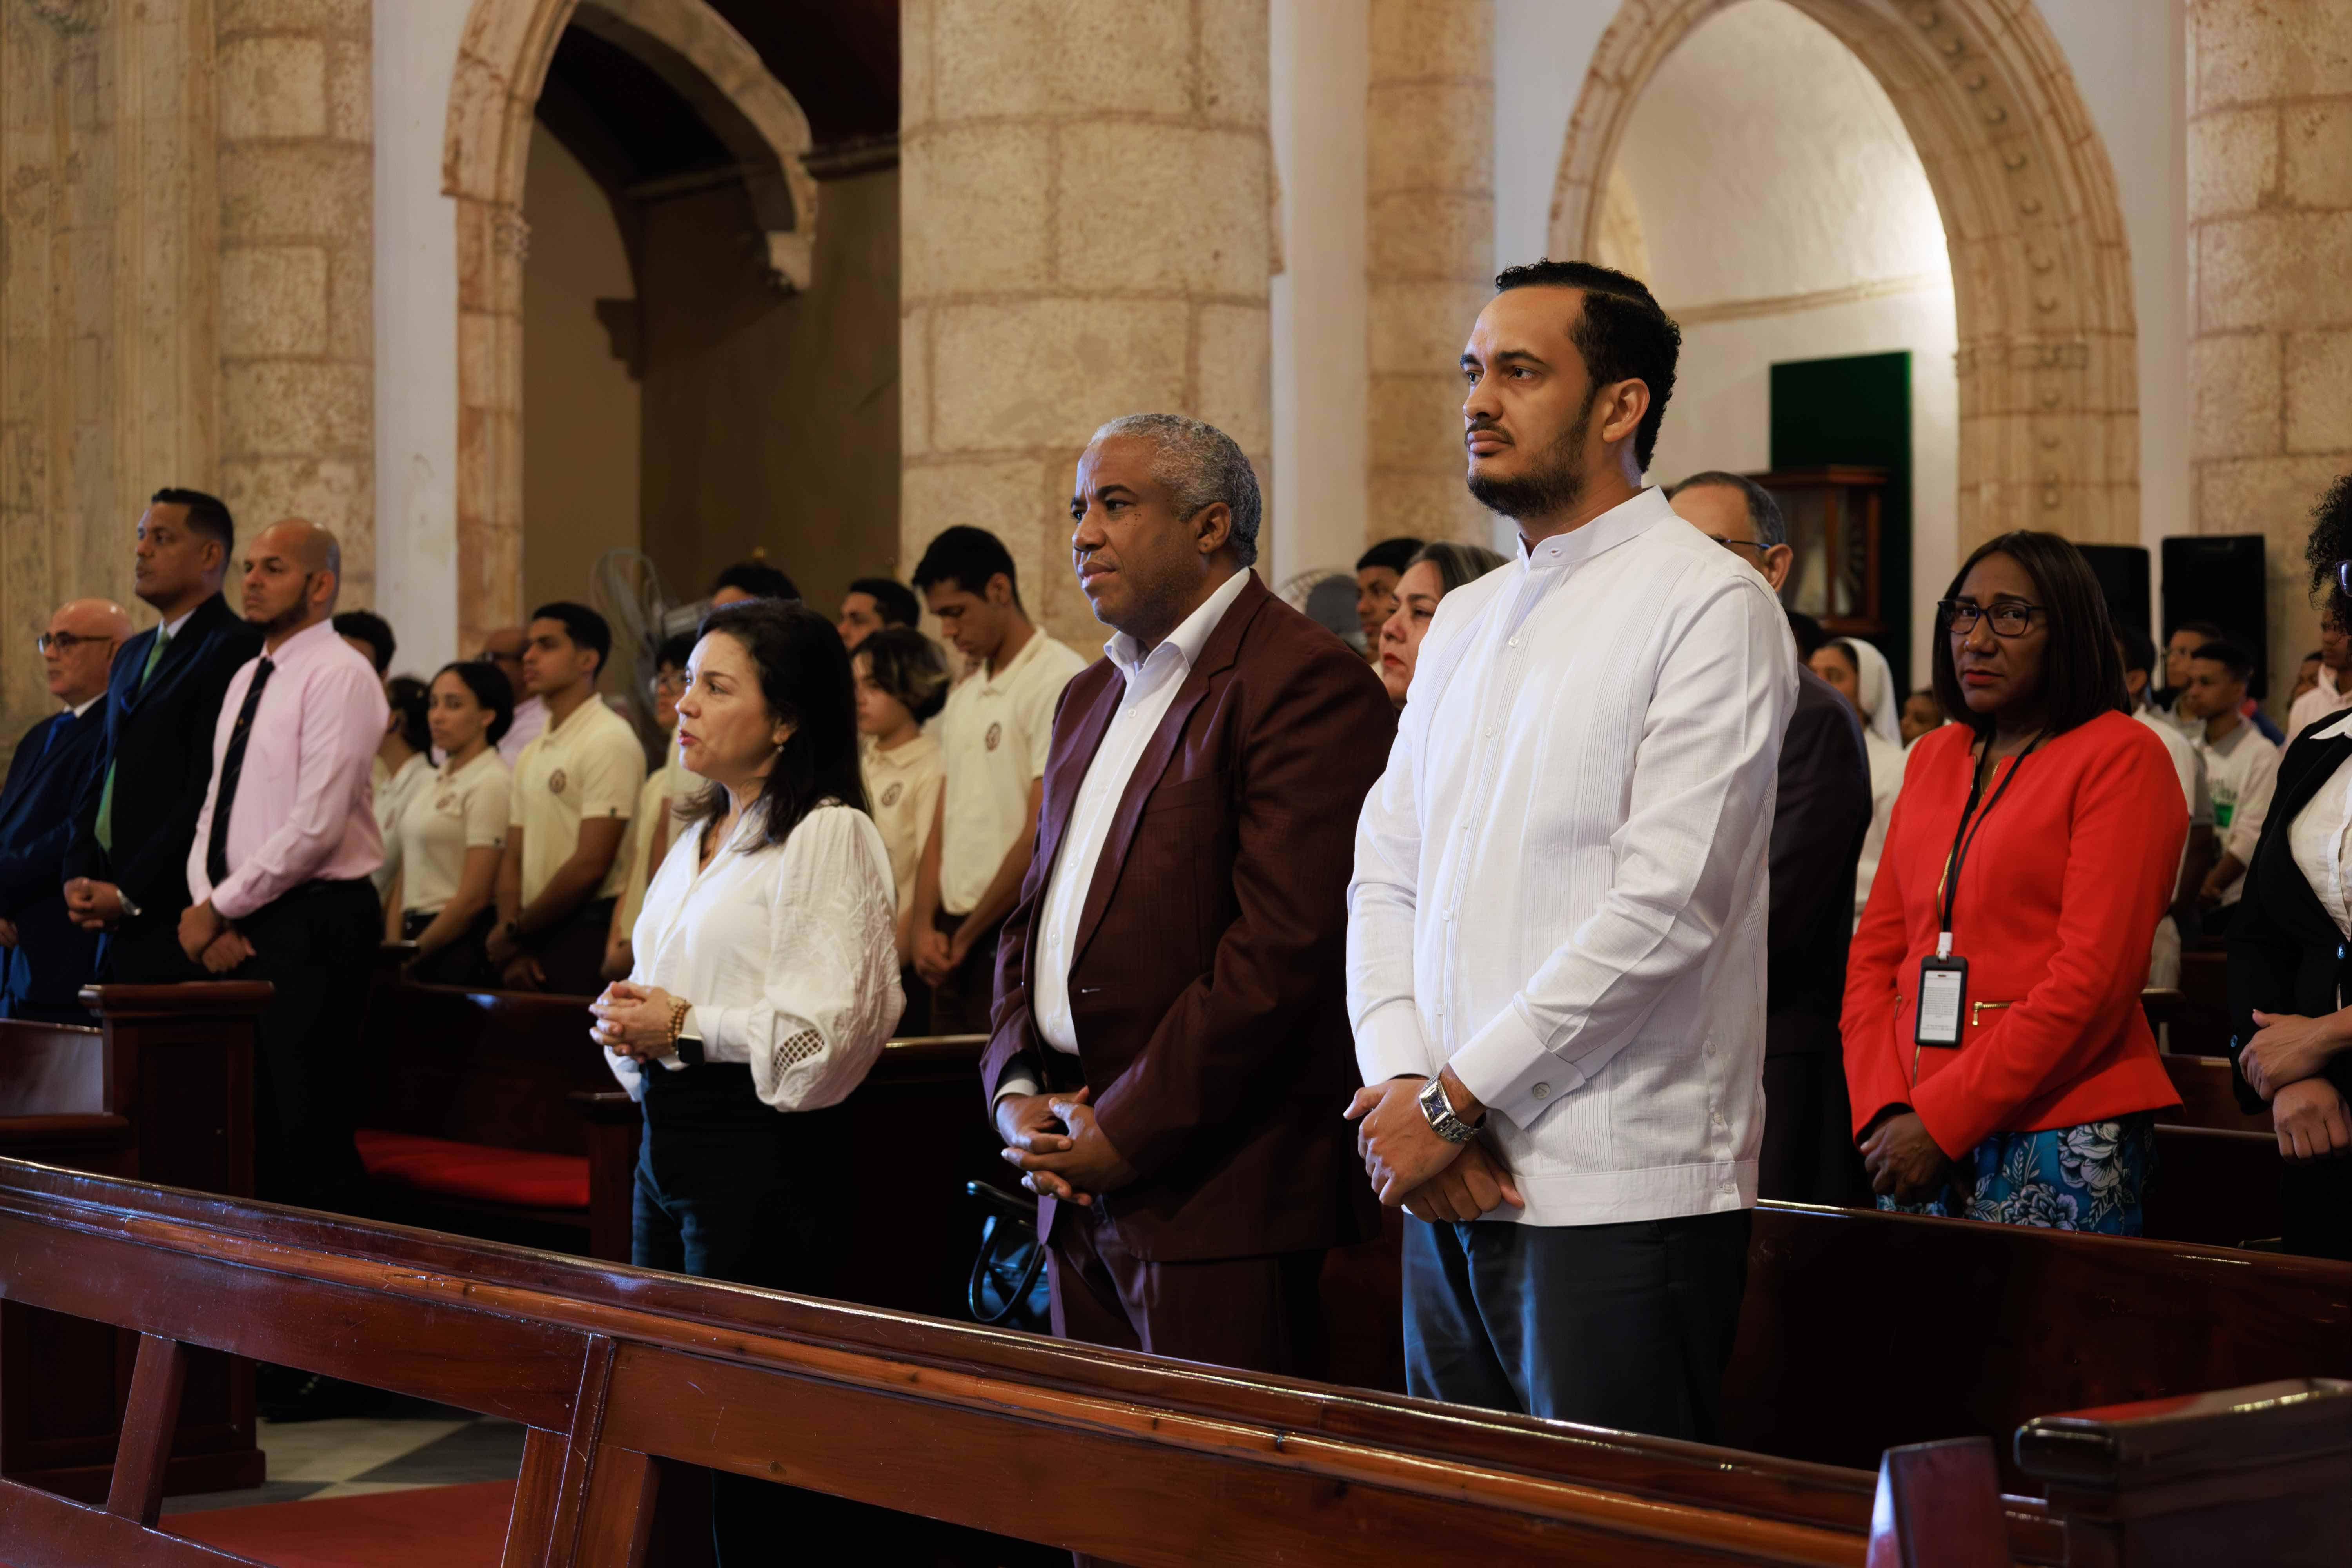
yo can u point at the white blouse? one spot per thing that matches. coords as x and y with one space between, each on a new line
788 951
2320 837
1886 760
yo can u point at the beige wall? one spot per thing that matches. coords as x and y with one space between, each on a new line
580 408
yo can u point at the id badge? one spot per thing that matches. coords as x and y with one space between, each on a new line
1943 994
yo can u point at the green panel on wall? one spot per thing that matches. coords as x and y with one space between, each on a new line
1857 409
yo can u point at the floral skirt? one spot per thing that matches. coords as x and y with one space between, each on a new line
2089 1177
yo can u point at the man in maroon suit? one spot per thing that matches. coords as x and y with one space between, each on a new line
1170 1052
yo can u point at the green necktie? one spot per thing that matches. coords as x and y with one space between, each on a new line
106 791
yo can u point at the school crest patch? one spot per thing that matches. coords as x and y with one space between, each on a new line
995 735
555 781
890 797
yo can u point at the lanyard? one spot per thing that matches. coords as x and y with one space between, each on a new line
1964 838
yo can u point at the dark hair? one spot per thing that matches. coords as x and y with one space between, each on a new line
805 679
411 699
1458 565
584 626
758 579
2229 655
1621 332
2081 673
674 650
2307 659
893 600
967 557
1396 554
490 688
2139 649
1763 510
2206 631
2331 541
1808 633
208 515
1844 649
907 666
371 629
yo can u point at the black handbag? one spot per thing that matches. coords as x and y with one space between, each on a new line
1008 1288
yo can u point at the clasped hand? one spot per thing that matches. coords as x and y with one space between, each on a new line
2287 1048
1060 1148
210 940
1414 1169
1903 1162
633 1021
92 905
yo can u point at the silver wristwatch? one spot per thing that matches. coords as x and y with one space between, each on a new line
1439 1111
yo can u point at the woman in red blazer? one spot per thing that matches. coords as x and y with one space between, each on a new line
2044 833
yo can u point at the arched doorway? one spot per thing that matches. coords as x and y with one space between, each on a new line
2046 359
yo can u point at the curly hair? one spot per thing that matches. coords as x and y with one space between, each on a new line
2331 541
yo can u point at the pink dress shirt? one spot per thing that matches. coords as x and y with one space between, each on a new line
304 809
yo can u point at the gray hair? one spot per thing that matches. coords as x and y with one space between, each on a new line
1458 565
1763 511
1199 465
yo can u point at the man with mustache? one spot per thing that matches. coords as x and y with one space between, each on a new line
1556 948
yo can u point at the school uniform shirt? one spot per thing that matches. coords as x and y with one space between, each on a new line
787 953
664 787
529 719
391 791
902 792
1560 884
301 812
586 767
438 824
994 734
2240 773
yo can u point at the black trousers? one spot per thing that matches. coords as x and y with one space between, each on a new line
147 953
1808 1155
2316 1201
1626 1326
727 1188
571 952
316 945
965 1002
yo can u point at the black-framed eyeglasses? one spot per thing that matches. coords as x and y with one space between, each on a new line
64 642
2009 618
1761 549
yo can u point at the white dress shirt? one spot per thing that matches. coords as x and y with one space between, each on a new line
2320 837
788 954
2315 704
1562 878
2241 775
302 810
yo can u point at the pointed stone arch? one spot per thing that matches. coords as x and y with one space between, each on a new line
502 64
2048 363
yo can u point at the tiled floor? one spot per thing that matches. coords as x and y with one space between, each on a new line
349 1458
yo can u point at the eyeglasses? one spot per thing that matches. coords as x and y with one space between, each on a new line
2344 578
2009 618
1763 549
670 685
64 642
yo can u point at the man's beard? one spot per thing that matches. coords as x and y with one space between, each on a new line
1556 484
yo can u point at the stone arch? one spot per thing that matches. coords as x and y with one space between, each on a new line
502 64
2049 403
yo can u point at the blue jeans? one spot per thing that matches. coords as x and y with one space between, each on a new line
2091 1177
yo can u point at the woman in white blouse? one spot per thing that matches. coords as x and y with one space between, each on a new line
1860 673
766 974
443 849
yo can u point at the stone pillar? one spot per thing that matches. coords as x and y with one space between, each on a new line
1084 216
1429 195
2270 237
296 248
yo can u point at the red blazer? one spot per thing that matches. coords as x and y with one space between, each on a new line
2058 900
1208 988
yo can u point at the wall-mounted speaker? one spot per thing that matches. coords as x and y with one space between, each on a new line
2122 571
2218 577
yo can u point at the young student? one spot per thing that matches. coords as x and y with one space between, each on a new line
901 682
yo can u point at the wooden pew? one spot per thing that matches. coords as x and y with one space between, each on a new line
162 1088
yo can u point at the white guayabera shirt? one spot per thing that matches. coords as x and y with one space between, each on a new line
1561 880
789 953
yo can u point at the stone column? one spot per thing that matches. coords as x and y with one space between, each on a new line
2270 237
1084 218
1430 196
296 248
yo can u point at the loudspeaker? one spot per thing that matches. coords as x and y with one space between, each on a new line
2122 571
2218 577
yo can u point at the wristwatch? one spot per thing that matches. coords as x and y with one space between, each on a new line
1439 1111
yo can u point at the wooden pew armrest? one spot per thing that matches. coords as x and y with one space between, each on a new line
613 1125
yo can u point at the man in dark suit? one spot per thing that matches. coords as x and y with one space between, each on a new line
1171 1054
1819 814
128 870
48 959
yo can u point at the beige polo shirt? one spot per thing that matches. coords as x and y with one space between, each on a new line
994 734
439 822
590 765
902 792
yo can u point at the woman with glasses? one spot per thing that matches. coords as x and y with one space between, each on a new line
1860 674
1999 1063
649 830
2293 1035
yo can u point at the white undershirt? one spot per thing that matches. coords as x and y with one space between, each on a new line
2320 837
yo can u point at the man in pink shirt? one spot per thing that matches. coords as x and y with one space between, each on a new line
279 871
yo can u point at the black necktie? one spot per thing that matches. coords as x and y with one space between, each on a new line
231 764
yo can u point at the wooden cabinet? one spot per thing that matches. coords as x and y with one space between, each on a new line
1834 516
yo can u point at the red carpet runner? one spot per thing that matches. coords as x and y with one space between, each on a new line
419 1527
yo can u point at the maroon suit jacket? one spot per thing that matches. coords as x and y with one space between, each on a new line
1207 985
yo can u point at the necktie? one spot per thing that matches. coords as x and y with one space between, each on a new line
56 727
231 764
106 791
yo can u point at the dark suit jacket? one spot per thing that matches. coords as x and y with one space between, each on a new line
52 766
1818 821
159 738
1208 987
2286 954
